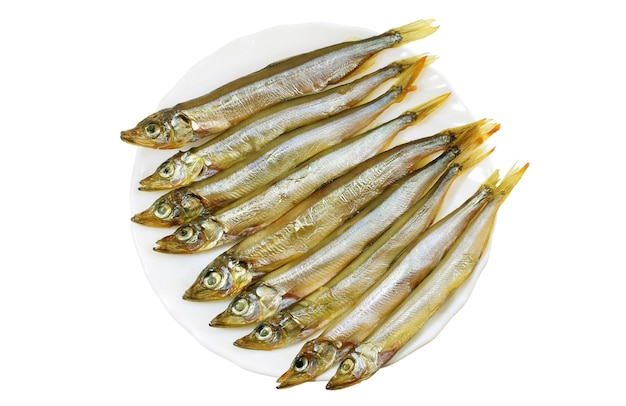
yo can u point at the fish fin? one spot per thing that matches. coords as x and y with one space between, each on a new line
415 30
361 70
511 179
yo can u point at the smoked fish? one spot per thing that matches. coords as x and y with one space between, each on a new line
308 223
319 354
212 113
253 212
253 133
276 159
422 303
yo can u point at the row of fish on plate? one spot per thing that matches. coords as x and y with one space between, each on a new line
336 231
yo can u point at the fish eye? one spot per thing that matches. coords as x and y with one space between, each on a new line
163 210
264 332
153 130
301 364
184 233
167 170
240 306
213 280
346 366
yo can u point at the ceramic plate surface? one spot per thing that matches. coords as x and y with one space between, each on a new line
171 275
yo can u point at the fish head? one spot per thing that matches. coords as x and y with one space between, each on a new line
315 358
197 235
179 170
360 364
222 278
252 305
165 129
274 332
172 209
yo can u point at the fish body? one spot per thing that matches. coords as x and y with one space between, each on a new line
252 134
298 278
254 212
275 159
308 223
347 330
233 102
313 312
411 315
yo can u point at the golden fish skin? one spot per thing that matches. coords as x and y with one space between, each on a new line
315 217
253 212
347 330
304 225
268 164
233 102
252 134
300 277
312 219
313 312
411 315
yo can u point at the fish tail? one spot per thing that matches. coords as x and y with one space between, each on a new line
472 156
414 31
405 63
471 135
423 110
408 76
492 180
430 59
418 114
511 179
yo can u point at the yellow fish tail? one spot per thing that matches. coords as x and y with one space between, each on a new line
474 134
492 180
408 76
415 30
472 156
511 179
414 59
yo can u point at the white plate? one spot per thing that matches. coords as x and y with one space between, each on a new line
171 275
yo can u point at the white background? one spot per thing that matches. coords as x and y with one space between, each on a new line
81 325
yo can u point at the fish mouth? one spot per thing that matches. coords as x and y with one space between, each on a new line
133 137
250 343
227 320
341 382
191 295
155 183
292 378
170 245
198 293
127 136
171 178
147 218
